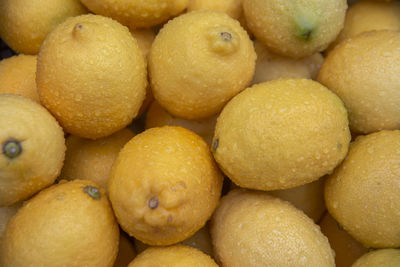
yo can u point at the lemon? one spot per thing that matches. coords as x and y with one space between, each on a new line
281 134
137 13
173 256
380 257
201 240
251 228
91 76
231 7
24 24
271 66
347 249
17 76
92 159
157 116
363 194
68 224
371 100
198 62
164 185
368 15
295 28
32 148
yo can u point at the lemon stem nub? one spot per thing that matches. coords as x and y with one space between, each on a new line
226 36
215 145
153 203
92 191
12 148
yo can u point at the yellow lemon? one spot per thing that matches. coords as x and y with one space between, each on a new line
68 224
24 24
380 257
363 72
6 213
198 62
137 13
363 193
32 148
173 256
281 134
92 159
251 228
164 185
295 28
17 76
91 76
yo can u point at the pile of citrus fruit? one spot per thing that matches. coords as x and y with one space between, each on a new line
201 133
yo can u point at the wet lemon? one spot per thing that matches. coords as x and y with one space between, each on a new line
362 71
17 76
92 159
91 76
24 24
68 224
198 62
363 194
295 28
32 148
164 185
173 256
281 134
251 228
380 257
137 13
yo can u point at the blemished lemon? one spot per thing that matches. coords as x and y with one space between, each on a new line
201 240
252 228
380 257
157 116
92 159
32 148
347 249
368 15
126 251
173 256
309 198
363 72
67 224
137 13
295 28
6 213
164 185
91 75
24 24
231 7
17 76
198 62
363 193
271 66
281 134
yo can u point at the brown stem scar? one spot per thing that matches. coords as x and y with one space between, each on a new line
226 36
